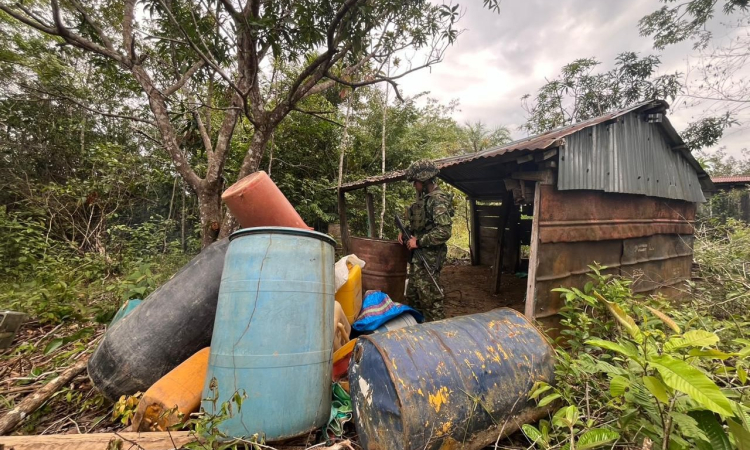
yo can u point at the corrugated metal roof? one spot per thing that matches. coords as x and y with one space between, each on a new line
472 173
628 155
531 143
740 179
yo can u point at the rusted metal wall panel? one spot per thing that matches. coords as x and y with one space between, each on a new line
627 155
574 216
647 239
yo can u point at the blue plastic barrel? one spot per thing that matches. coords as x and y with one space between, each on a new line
450 384
273 334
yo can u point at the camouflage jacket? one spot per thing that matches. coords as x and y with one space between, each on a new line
430 219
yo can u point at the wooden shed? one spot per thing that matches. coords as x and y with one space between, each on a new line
620 189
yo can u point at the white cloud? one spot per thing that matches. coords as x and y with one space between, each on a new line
499 58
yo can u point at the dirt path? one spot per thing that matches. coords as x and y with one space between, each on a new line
467 290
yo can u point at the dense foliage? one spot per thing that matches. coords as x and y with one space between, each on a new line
641 372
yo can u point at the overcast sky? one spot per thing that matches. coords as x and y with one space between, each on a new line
501 57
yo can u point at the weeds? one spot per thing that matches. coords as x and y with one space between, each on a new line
635 370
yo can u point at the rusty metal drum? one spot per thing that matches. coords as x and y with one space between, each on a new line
451 384
385 268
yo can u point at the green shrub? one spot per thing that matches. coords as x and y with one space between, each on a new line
635 369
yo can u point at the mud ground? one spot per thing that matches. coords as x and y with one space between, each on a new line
467 289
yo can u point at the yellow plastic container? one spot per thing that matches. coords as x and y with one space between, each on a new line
349 295
171 399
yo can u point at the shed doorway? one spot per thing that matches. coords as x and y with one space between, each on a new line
497 273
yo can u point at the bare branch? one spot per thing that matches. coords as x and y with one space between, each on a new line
31 21
185 77
230 9
74 39
90 20
317 115
203 56
88 108
204 134
34 16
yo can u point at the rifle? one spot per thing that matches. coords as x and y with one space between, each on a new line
418 252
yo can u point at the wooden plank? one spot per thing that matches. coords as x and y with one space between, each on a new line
497 269
545 156
489 222
99 441
474 233
487 252
530 309
486 232
545 176
370 215
488 210
525 158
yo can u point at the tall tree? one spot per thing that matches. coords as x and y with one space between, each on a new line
579 93
478 137
686 20
200 64
716 79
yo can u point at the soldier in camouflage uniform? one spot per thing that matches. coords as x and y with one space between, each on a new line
430 226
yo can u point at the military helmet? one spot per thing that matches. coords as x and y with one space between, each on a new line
421 170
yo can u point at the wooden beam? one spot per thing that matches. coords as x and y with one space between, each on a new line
544 176
370 214
343 222
525 158
474 233
539 157
100 441
530 307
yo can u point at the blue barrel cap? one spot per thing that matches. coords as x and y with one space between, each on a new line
283 230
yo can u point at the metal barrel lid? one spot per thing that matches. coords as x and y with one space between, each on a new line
283 230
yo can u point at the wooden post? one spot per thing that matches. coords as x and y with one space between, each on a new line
474 233
511 241
343 223
530 308
370 214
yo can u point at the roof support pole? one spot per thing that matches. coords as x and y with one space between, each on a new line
369 201
473 233
530 309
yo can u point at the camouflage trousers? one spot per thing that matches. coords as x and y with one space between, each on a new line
421 293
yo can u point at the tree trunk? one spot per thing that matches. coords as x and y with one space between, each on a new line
249 165
209 205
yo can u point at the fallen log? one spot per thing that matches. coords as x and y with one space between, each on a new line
100 441
28 405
